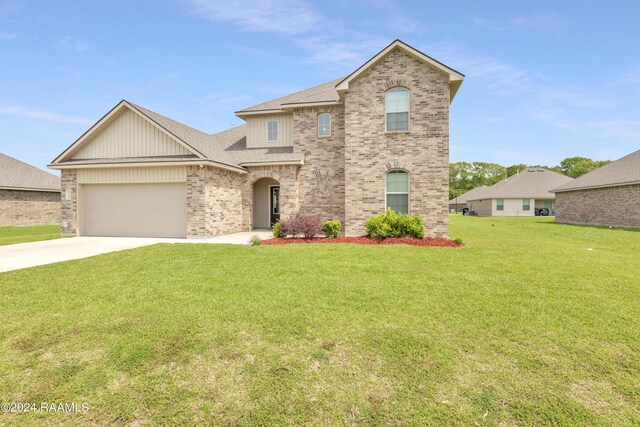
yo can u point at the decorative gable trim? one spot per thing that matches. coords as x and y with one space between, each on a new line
455 77
106 120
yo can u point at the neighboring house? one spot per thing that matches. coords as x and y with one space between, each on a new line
459 203
343 150
609 195
28 195
519 195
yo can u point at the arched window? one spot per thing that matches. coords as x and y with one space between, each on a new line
396 102
272 131
324 124
398 191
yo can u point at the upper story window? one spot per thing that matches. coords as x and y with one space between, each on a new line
397 108
324 124
272 131
398 191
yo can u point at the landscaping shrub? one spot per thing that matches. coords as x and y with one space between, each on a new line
331 228
302 225
276 230
256 241
392 224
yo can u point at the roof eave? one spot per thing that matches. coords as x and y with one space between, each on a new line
592 187
49 190
62 166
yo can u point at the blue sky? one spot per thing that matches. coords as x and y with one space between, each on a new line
545 79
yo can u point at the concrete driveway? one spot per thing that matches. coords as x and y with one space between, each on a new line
23 255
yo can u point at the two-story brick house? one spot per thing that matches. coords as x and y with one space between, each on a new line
343 150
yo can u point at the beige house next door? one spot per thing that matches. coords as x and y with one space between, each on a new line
133 210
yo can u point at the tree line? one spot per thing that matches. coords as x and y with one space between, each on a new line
465 176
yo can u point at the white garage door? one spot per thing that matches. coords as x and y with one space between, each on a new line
133 210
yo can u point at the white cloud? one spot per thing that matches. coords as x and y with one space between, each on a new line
11 36
72 43
352 52
534 21
276 16
29 113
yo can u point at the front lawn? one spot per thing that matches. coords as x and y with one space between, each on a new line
11 235
529 323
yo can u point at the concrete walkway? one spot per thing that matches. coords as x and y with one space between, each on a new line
23 255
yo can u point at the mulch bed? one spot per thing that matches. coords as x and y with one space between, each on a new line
427 241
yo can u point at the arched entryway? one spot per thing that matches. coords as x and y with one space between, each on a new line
266 203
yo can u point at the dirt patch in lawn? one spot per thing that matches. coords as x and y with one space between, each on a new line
427 241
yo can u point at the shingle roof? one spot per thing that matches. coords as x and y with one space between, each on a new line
228 147
17 174
469 195
621 172
326 92
534 183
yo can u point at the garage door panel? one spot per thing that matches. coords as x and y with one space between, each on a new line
133 210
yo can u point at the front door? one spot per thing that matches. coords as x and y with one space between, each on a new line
274 204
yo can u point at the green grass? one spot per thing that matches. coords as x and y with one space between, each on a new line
11 235
530 323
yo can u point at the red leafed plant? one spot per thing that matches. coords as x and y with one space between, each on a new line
302 225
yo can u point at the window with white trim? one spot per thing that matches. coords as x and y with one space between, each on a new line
499 204
526 204
396 102
272 131
324 124
397 191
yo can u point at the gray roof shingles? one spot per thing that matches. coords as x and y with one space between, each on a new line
625 170
535 183
325 92
17 174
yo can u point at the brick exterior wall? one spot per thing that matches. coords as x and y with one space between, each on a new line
423 151
322 176
288 178
69 207
214 202
614 206
18 207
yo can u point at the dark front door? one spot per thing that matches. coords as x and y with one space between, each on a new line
274 204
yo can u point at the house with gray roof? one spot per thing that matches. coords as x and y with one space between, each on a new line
346 149
459 203
609 195
28 195
526 193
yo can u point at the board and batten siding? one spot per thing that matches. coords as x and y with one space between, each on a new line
129 135
132 175
257 131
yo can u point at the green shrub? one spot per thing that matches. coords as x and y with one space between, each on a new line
331 228
392 224
256 241
458 241
276 229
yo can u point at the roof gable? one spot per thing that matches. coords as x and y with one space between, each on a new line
122 115
455 77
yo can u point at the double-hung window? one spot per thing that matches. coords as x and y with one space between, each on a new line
398 191
499 204
324 124
397 109
526 204
272 131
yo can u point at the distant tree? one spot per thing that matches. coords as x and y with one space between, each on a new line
465 176
514 169
578 166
